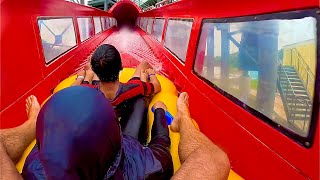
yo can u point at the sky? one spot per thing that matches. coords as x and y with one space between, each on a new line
290 32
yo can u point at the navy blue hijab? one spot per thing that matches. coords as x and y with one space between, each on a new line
78 136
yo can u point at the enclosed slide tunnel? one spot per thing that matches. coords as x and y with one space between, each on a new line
126 13
256 148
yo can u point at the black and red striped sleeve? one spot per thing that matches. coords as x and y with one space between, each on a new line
145 88
90 86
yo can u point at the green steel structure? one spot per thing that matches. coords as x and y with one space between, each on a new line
102 4
107 4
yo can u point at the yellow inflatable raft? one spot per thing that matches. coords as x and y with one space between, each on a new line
168 96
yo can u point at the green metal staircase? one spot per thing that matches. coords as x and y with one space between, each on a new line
294 90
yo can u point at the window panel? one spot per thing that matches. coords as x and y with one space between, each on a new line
158 28
104 23
149 27
97 24
269 65
141 22
144 25
138 22
113 22
177 37
85 28
109 22
57 36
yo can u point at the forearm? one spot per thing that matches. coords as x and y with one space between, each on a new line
81 75
77 82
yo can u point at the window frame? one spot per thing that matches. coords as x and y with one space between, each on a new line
165 29
141 22
92 23
152 19
39 35
103 18
111 22
95 32
307 141
145 24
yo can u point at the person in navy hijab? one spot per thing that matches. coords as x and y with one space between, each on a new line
79 137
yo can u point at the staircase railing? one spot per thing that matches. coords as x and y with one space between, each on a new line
303 68
288 91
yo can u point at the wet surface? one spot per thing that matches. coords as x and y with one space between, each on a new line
133 48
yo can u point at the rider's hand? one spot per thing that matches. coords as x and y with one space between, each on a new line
151 71
81 73
144 76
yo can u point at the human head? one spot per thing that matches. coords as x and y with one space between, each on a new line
106 63
78 135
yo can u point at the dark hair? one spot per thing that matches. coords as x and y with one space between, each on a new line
106 63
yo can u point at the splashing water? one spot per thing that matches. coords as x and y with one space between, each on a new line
133 49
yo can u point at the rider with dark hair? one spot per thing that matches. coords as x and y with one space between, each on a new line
106 64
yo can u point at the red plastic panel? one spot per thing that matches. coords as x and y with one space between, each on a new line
256 150
23 69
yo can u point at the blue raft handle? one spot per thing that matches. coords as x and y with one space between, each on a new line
169 117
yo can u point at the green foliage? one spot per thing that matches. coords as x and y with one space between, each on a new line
233 60
254 84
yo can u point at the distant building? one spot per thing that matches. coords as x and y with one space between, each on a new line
302 56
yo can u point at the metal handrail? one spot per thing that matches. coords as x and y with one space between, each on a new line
296 97
162 3
306 68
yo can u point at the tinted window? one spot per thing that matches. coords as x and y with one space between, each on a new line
269 65
109 22
85 28
113 22
158 28
177 37
97 24
144 25
57 36
149 27
104 23
141 22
